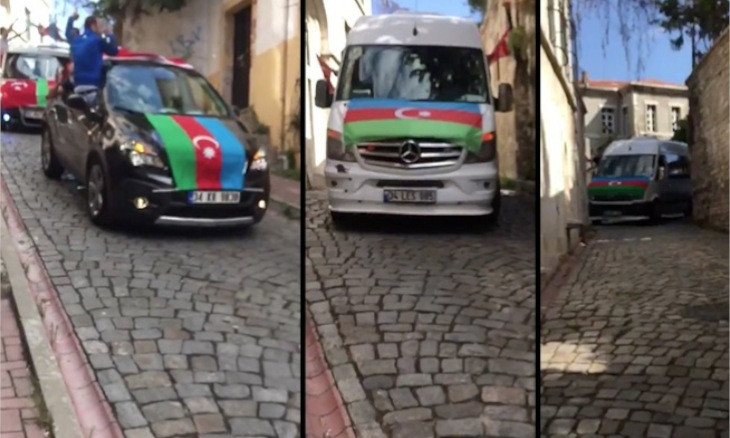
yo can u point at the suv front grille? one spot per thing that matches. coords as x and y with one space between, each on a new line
432 154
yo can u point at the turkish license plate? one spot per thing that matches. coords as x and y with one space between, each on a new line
409 196
211 197
612 213
33 114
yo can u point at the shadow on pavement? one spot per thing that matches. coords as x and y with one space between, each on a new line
435 225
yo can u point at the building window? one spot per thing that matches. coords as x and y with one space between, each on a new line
625 120
676 115
651 118
607 119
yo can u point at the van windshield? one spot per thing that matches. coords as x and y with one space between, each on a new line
613 166
424 73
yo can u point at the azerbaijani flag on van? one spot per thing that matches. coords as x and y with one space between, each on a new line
204 154
378 119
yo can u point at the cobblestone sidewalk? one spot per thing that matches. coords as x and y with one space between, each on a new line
636 344
19 415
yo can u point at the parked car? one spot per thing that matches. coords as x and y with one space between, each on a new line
411 129
641 178
161 147
28 75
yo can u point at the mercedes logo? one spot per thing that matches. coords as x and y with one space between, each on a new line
410 152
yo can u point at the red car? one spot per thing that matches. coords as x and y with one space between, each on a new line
27 77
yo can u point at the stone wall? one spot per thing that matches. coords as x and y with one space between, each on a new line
515 129
709 115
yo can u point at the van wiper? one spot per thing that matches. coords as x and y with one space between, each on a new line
125 109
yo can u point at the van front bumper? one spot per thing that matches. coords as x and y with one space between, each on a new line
466 191
624 210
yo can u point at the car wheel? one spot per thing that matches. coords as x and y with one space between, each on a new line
493 219
98 202
51 167
655 215
688 210
340 220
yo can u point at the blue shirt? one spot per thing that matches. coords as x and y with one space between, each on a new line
87 50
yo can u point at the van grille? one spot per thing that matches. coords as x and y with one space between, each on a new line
432 154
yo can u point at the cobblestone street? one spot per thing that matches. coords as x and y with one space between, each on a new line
189 334
636 343
428 328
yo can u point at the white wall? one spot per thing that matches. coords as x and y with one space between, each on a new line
272 26
325 23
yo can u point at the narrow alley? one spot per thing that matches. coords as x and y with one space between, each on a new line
636 343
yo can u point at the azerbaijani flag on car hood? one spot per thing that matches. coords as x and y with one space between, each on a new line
203 152
378 119
633 186
24 92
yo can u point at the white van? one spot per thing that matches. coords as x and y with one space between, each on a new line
641 178
411 129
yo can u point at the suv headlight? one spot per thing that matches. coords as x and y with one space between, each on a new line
140 154
259 160
487 151
336 149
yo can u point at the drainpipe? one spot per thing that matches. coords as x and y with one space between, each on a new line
283 77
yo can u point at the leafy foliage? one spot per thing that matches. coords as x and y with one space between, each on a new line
477 5
119 10
682 132
706 19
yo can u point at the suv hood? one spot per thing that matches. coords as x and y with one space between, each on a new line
205 153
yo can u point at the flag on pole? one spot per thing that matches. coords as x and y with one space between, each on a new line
502 49
327 71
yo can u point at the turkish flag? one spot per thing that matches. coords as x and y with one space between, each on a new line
501 50
327 70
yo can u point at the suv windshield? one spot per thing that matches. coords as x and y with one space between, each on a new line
34 67
428 73
162 90
626 165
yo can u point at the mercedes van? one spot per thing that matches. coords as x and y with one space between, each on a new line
411 129
641 178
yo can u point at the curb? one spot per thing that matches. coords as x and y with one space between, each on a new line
40 352
326 415
93 414
550 288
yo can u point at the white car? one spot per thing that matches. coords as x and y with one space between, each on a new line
411 129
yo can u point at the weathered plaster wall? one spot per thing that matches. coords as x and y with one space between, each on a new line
202 33
562 183
515 129
709 115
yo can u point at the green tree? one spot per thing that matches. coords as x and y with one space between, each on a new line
120 10
700 20
682 132
477 6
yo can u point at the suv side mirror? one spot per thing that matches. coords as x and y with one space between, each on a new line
505 99
77 102
322 95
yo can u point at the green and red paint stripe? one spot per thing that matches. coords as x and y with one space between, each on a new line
632 186
371 119
202 151
24 92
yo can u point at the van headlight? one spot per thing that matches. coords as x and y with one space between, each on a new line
336 149
487 150
259 160
139 154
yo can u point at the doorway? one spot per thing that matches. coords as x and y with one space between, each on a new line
241 57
